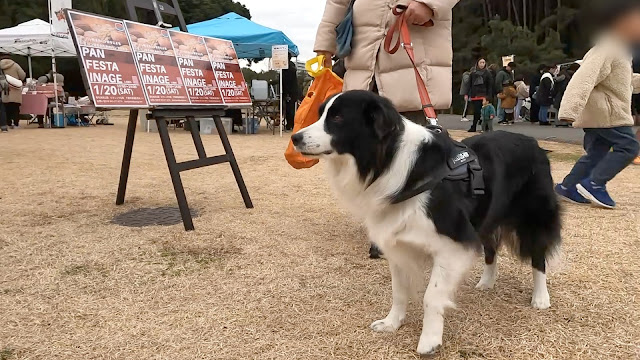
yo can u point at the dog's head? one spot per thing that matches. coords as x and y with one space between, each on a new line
356 123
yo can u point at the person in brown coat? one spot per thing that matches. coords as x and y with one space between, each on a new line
369 67
509 99
12 99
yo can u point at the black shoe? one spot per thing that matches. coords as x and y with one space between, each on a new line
545 123
374 252
472 130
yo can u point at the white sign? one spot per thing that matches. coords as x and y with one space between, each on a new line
58 21
507 59
280 57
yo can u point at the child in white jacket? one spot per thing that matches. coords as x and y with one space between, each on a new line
598 100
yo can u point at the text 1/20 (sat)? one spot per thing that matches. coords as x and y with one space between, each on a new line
162 90
231 92
111 90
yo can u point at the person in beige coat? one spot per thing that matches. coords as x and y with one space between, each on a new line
369 67
13 98
598 100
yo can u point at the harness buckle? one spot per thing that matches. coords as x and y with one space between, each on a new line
477 178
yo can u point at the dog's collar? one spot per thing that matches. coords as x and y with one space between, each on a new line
462 165
435 128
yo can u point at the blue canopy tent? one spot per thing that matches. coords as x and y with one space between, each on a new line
251 40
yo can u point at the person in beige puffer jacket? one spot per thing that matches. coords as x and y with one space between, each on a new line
370 67
598 100
13 98
393 76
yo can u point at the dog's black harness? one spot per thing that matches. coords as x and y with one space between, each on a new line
462 165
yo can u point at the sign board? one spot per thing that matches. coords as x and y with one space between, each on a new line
58 21
227 70
196 68
110 70
507 59
132 65
280 57
158 65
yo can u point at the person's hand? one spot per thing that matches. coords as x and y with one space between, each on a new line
328 63
418 13
466 98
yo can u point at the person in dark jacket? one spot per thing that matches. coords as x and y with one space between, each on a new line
535 82
503 76
291 93
544 95
561 82
481 88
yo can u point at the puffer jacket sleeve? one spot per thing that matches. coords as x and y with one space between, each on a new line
334 12
596 67
636 83
21 74
441 8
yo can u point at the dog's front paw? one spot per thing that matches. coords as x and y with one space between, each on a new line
541 301
429 345
484 284
386 325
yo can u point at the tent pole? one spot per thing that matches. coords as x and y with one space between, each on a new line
53 67
281 112
29 59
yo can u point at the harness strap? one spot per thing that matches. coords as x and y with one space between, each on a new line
401 28
462 165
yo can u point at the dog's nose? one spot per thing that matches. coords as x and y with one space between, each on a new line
296 139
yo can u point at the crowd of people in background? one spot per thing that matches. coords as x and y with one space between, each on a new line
510 91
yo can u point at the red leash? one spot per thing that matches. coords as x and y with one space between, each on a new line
404 39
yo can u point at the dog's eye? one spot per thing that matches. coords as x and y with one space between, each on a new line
337 119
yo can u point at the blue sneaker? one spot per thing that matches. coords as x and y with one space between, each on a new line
596 193
570 194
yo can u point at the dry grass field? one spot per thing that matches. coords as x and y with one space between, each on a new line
289 279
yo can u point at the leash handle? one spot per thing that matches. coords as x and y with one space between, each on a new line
401 28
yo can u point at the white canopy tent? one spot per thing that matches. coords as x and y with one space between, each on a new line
34 38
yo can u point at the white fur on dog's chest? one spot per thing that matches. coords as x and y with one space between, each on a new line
387 225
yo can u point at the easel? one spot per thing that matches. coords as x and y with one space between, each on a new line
160 115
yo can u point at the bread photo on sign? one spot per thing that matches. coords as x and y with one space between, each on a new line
150 39
102 32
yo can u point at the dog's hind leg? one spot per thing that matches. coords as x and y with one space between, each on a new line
540 299
449 267
490 272
400 288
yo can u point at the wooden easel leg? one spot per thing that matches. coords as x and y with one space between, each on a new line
195 135
232 161
126 158
175 174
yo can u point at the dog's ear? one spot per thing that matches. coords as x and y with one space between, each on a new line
384 117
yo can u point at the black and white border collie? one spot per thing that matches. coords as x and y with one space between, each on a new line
374 155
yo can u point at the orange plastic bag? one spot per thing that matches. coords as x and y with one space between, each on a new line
326 84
